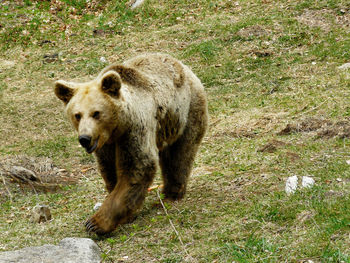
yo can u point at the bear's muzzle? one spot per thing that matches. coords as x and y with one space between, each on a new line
85 141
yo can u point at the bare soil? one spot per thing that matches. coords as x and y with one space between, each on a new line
272 146
320 127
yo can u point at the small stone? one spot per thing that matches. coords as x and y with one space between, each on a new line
98 32
103 59
50 58
291 184
307 182
43 42
97 206
135 3
40 213
344 66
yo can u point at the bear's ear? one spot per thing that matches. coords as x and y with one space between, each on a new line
111 83
64 90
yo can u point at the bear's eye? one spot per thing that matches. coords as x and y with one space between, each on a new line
77 116
96 115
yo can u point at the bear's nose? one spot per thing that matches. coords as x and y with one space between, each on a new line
85 140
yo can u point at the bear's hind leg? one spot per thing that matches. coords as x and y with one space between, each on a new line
177 159
106 159
176 162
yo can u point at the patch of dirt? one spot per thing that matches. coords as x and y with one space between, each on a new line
202 171
22 173
252 31
323 18
246 124
343 20
272 146
292 156
238 133
334 194
305 216
315 18
6 64
321 127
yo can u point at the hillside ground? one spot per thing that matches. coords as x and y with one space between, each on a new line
279 101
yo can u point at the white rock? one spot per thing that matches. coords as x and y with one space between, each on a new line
135 3
291 184
307 182
103 59
344 66
97 206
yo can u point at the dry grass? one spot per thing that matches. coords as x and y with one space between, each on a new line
265 65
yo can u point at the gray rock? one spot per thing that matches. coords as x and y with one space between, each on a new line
69 250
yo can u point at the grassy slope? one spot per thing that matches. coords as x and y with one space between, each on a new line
264 64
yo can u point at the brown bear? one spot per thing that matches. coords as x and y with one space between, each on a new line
151 109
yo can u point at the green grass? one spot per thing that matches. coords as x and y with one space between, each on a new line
263 67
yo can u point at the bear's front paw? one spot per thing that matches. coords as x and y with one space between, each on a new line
99 225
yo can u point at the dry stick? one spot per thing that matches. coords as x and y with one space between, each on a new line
3 179
312 109
172 225
36 193
27 181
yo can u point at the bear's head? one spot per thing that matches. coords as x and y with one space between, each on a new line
92 107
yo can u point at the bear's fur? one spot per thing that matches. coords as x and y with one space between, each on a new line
151 109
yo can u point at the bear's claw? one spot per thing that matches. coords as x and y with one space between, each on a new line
92 226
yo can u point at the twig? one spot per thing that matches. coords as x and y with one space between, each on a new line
312 109
3 179
36 193
172 225
23 179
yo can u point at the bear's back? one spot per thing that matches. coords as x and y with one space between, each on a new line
160 68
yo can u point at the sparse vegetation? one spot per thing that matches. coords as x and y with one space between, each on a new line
265 65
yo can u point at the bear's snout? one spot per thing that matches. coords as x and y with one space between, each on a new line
85 141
